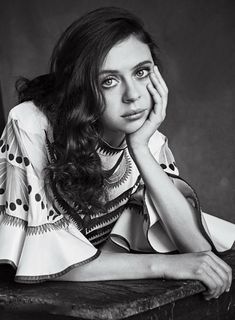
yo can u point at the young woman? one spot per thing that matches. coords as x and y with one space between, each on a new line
89 189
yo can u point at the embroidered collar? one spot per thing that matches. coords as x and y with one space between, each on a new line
106 148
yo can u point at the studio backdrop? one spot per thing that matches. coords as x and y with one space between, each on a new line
197 43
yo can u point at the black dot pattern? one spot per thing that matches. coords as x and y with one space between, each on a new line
26 161
12 206
6 204
11 157
26 207
51 212
3 148
7 147
19 159
42 205
18 201
2 190
37 197
171 166
29 189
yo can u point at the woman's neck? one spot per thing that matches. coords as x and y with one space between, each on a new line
114 139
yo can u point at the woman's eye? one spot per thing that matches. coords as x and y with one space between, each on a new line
109 82
142 73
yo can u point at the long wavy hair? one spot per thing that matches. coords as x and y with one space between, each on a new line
70 97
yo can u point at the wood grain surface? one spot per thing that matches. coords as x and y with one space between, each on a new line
134 299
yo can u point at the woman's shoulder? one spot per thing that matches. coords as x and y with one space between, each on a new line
29 117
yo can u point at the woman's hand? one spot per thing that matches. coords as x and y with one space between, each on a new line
159 93
215 274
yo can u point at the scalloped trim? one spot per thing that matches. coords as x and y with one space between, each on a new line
60 224
107 149
9 220
38 279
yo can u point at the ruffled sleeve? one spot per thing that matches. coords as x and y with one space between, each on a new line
140 227
36 236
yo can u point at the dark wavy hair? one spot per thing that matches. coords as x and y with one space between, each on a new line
71 98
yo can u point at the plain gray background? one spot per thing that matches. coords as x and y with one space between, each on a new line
197 42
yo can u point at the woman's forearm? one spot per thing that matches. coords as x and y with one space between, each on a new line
118 266
206 267
177 215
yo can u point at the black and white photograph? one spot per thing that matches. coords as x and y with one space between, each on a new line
117 176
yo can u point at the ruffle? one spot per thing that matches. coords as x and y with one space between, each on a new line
219 233
44 253
37 237
140 228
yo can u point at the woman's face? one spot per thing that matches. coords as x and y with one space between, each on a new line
123 78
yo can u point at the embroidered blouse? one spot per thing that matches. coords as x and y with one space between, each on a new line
38 236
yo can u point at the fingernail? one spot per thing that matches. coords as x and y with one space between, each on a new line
228 289
217 297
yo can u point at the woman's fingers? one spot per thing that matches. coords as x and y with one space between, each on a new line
158 88
156 97
225 267
157 84
203 266
213 275
158 107
159 76
213 282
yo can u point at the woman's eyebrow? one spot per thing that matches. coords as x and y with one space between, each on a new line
135 67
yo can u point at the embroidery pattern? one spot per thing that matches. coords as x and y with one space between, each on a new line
108 150
9 220
63 223
124 196
122 173
107 220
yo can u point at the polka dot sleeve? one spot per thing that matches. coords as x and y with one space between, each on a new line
37 237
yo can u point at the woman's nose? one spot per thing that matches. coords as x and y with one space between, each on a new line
131 92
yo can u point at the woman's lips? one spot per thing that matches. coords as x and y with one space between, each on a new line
134 114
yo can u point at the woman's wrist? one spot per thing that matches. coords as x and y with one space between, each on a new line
138 150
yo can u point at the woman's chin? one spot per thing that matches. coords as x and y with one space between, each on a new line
133 127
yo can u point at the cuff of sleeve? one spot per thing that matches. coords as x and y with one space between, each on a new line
45 253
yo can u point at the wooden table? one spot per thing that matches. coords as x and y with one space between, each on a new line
134 299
